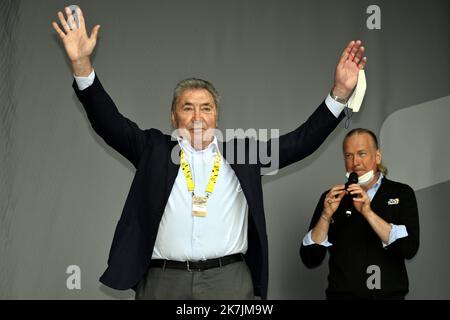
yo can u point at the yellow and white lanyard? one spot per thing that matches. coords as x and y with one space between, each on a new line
199 203
188 175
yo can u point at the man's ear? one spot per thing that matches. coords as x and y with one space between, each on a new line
172 119
378 157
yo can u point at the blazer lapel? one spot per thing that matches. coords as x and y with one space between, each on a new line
241 170
173 166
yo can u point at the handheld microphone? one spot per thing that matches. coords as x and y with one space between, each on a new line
353 178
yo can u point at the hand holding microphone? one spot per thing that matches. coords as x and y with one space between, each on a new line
332 201
360 199
352 179
346 194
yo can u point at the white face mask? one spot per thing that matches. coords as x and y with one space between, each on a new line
364 179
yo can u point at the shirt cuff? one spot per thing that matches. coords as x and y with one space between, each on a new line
397 232
307 241
335 107
85 82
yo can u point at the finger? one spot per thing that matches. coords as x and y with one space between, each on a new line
94 33
346 51
81 19
362 64
357 195
359 54
338 188
350 189
333 195
63 22
70 19
361 197
58 30
355 49
341 196
72 23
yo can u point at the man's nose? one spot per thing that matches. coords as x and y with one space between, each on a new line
197 114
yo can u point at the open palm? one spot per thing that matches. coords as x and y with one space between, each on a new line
76 41
347 69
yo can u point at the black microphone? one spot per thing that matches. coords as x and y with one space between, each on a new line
352 178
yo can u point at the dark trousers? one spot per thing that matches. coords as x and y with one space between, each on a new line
232 281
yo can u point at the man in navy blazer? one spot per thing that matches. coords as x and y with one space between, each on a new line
174 240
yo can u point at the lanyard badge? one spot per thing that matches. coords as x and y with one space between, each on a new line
199 203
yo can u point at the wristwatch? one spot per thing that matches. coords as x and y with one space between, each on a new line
337 98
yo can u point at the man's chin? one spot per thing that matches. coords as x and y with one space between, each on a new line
201 139
197 140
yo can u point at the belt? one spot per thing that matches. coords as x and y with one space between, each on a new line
197 265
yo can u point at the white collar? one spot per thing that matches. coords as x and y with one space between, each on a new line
378 183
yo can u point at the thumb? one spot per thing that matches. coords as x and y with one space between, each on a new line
94 33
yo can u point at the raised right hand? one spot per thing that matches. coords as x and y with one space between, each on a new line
78 45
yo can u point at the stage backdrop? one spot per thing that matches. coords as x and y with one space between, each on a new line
62 188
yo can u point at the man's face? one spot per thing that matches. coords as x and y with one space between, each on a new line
195 116
361 154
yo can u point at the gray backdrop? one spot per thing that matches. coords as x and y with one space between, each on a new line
63 189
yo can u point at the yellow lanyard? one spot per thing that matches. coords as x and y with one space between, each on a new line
188 175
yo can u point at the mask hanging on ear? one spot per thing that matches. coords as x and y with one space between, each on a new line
364 179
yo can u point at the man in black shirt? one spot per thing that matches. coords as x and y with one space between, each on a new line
369 246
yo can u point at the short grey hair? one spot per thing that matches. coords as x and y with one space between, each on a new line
194 83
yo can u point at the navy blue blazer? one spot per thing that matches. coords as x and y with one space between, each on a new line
150 153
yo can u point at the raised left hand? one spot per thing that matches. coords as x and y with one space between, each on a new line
347 69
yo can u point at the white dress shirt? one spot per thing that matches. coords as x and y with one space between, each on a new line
184 237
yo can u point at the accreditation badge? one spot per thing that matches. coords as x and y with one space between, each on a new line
199 206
